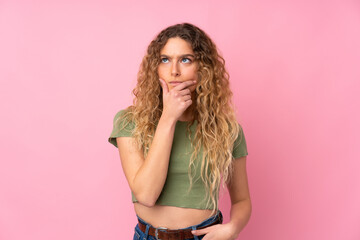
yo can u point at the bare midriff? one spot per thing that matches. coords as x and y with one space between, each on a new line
171 217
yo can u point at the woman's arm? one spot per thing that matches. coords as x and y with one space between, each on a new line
240 197
146 177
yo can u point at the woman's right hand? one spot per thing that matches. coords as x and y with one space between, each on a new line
177 100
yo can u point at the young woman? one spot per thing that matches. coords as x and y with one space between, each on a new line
179 137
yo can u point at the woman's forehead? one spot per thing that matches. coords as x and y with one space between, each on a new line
176 47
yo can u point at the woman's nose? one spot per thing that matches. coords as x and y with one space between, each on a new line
175 71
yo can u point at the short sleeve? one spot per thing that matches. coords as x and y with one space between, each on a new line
118 128
240 149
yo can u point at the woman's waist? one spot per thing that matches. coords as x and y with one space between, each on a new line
171 217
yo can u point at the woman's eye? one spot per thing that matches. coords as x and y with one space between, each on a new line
184 60
189 60
163 60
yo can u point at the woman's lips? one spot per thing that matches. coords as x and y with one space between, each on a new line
175 82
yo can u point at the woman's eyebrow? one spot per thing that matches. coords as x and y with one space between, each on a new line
184 55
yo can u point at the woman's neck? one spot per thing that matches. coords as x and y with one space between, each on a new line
187 116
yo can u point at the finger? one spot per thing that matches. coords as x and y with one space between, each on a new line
185 92
183 98
164 86
201 231
186 97
185 84
188 102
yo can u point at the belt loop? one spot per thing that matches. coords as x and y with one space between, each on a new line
195 237
146 232
221 217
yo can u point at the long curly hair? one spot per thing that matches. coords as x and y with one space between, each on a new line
217 127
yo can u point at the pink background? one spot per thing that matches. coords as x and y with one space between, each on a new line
66 68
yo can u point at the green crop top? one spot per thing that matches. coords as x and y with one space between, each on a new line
177 181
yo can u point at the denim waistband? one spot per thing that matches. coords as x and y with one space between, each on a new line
203 223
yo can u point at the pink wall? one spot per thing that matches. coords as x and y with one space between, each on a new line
66 67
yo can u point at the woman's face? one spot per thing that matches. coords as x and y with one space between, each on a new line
177 63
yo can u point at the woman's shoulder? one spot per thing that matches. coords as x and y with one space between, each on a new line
123 111
122 115
121 127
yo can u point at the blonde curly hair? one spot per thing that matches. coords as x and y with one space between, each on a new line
217 127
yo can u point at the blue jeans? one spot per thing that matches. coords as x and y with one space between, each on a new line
139 235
